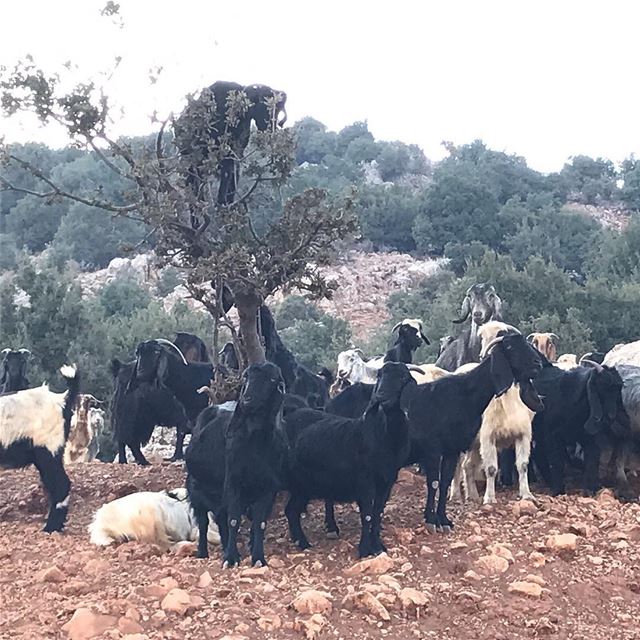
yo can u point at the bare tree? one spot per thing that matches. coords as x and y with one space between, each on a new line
218 247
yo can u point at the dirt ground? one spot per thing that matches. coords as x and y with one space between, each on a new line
464 585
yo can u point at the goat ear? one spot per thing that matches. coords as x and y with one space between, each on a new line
162 369
424 338
530 397
497 308
133 378
501 374
593 423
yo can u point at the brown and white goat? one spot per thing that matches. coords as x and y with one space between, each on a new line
87 424
545 343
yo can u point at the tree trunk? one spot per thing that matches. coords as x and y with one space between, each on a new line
247 306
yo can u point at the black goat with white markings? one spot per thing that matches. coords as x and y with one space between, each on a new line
446 415
410 337
14 370
345 460
34 427
235 463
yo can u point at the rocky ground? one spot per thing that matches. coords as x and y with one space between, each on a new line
567 568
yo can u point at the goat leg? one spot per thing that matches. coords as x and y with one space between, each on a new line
447 469
259 513
365 506
122 452
178 454
489 455
295 507
202 518
330 524
231 553
431 466
376 526
523 452
57 485
138 455
591 481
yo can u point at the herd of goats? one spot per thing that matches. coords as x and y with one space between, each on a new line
492 401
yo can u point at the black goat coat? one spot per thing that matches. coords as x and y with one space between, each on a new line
352 402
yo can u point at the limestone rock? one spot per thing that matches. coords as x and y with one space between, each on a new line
379 564
492 564
562 543
177 601
523 588
50 574
312 601
368 602
85 624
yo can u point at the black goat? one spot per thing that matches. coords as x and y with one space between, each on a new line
228 357
581 405
14 370
346 460
482 303
235 463
160 363
352 401
410 337
136 412
445 415
192 347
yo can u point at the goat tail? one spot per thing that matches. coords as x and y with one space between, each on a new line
70 373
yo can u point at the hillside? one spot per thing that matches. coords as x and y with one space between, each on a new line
365 281
500 576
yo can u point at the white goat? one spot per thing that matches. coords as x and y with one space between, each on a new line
353 367
567 361
163 518
505 421
628 353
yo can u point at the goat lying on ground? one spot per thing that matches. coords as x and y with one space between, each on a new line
235 462
347 460
163 518
34 427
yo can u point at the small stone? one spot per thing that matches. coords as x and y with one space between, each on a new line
313 626
313 601
472 575
85 624
406 567
425 551
458 546
379 564
412 599
184 549
492 564
368 602
50 574
254 571
530 577
176 601
96 567
470 595
502 551
596 560
276 563
133 614
205 580
582 529
243 627
562 543
135 636
524 508
537 559
389 582
270 623
128 626
476 539
523 588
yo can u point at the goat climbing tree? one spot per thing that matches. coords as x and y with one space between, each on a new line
224 248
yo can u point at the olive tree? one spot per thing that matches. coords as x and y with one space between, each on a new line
219 248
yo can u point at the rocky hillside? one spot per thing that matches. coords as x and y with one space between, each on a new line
564 568
365 282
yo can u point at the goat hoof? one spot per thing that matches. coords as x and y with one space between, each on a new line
259 563
332 535
446 529
431 528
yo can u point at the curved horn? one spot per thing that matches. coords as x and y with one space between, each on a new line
464 311
172 346
25 352
530 336
359 352
554 336
284 117
413 367
591 363
396 326
5 351
490 346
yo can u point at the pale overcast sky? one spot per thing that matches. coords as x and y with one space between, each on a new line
544 79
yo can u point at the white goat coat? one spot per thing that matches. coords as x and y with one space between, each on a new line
146 516
628 353
33 414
